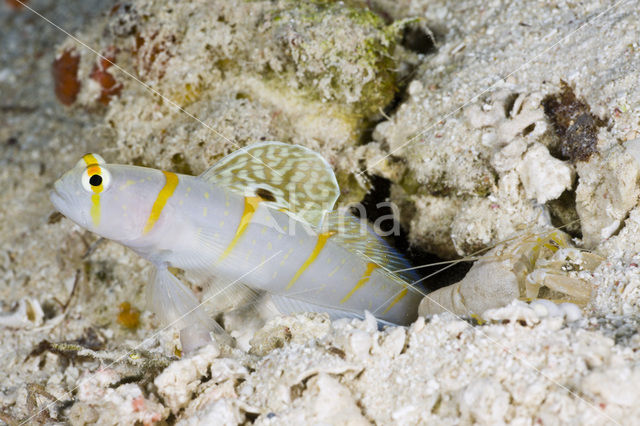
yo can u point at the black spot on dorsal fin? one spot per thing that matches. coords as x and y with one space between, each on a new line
265 194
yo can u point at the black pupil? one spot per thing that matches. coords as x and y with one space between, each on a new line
95 180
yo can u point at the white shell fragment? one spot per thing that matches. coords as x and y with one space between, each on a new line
27 315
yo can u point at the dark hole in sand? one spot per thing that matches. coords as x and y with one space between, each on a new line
379 193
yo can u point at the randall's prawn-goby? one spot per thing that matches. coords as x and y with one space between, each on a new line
261 217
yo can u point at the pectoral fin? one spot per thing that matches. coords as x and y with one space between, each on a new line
176 305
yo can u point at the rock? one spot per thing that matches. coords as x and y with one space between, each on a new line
324 401
207 79
607 190
179 381
544 177
484 401
614 387
283 330
98 402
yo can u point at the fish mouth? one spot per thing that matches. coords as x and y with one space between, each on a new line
57 200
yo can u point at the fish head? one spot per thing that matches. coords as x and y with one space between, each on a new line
111 200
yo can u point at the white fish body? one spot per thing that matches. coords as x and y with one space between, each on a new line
261 216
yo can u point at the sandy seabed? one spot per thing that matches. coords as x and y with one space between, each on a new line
499 117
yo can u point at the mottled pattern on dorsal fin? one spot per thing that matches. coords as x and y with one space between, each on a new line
285 176
359 238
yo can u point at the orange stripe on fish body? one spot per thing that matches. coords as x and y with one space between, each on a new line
171 182
322 240
362 281
250 207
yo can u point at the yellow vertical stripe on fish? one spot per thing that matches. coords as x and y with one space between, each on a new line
90 160
161 200
94 169
322 240
250 207
95 209
362 281
398 298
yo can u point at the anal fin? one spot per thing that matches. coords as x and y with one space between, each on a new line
289 305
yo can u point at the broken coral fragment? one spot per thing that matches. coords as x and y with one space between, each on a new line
99 402
544 177
288 329
324 401
180 380
607 190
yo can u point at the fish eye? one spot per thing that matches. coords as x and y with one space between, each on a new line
96 179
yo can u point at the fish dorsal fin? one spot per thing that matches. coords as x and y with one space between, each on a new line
359 238
286 176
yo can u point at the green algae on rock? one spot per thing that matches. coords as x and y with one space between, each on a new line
339 53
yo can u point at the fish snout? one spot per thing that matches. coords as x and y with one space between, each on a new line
56 195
